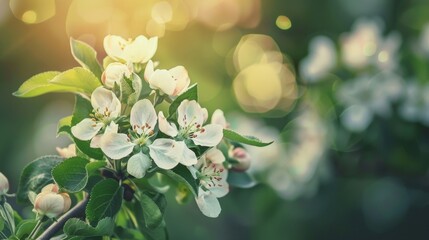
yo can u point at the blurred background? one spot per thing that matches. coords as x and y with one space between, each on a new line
341 86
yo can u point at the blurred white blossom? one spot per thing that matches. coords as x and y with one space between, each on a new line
366 96
320 61
415 103
366 46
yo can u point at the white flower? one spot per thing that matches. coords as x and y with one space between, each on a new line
360 46
4 184
172 82
114 73
212 177
49 202
166 153
67 152
191 118
320 60
218 117
106 108
140 50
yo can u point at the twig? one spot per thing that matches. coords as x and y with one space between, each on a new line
76 211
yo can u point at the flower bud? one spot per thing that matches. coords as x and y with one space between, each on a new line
4 184
50 203
67 152
114 74
243 158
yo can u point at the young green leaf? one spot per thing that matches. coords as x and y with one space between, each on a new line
73 173
24 228
241 179
64 125
77 227
86 56
152 214
105 200
190 94
36 175
79 78
182 175
40 84
249 140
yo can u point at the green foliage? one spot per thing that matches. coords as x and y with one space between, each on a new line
240 179
152 211
24 228
64 125
249 140
190 94
36 175
77 228
105 200
86 56
82 109
79 78
182 175
72 175
41 84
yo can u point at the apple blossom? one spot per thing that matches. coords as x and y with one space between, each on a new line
50 203
114 73
242 157
191 118
139 50
218 117
212 177
4 184
106 108
172 82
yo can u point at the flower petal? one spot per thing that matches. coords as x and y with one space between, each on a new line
208 204
164 126
138 164
218 117
215 156
141 49
149 70
116 145
186 156
103 99
162 80
190 112
114 73
210 137
164 152
114 45
86 129
143 117
180 75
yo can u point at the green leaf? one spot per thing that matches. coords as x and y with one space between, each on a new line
1 224
86 56
152 214
64 125
190 94
36 175
240 179
79 78
76 227
105 200
249 140
128 233
82 109
40 84
73 174
181 174
24 228
158 233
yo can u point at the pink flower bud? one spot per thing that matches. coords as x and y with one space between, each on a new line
50 203
4 184
243 158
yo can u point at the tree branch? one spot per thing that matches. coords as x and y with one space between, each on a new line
76 211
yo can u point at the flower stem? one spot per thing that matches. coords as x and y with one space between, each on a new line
36 229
